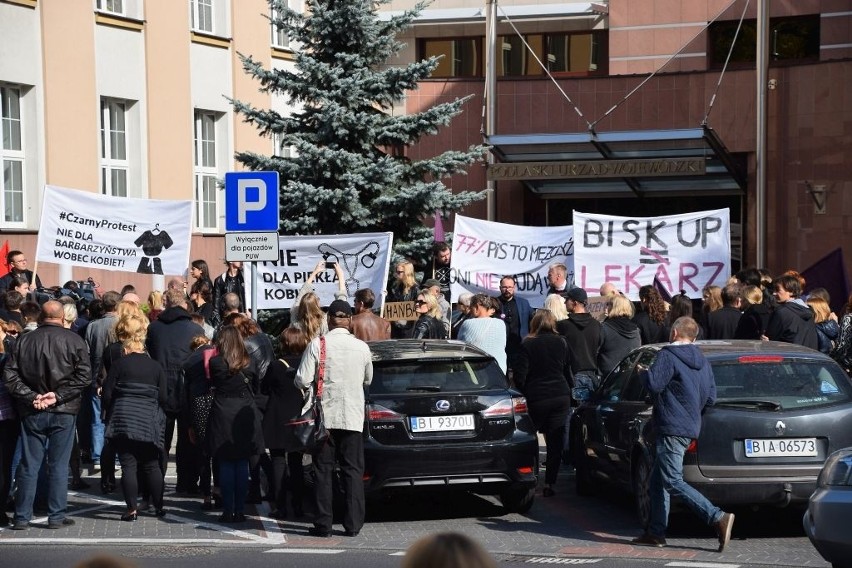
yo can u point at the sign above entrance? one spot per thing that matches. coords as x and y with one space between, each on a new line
597 169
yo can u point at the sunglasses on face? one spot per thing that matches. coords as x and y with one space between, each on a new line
420 303
12 332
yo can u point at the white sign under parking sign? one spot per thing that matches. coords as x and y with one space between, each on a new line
251 247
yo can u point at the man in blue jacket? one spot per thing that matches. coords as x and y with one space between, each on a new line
681 384
516 313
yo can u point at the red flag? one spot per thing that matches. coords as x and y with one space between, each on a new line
439 228
4 251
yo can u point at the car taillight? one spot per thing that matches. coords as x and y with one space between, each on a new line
506 407
377 413
692 447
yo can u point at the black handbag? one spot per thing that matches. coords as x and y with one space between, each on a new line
309 429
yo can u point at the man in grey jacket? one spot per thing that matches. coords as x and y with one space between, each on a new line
348 367
46 374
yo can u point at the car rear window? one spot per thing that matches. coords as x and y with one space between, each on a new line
792 383
457 375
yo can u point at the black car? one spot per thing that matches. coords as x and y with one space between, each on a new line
441 415
780 411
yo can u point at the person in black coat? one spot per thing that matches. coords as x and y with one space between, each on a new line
429 324
285 404
543 375
234 433
722 323
793 320
261 352
134 394
168 343
755 318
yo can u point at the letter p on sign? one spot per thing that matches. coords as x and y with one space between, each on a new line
251 201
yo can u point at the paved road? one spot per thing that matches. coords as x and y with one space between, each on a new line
561 527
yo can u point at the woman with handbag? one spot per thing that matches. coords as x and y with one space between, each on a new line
134 394
285 405
234 432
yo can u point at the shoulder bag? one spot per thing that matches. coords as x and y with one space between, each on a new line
309 428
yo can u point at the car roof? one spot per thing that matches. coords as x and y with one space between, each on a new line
420 349
716 349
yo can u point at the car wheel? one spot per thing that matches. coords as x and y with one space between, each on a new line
518 500
641 487
583 483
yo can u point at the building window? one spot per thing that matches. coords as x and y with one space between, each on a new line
12 155
114 162
460 57
280 38
112 6
206 217
202 15
577 53
791 40
281 151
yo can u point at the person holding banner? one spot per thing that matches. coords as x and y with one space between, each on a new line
403 289
306 313
429 325
17 264
483 331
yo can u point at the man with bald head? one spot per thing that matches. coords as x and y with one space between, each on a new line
46 374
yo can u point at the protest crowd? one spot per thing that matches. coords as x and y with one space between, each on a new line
93 377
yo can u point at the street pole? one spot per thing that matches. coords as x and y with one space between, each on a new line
760 147
490 101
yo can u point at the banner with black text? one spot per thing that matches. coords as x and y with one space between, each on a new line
364 259
147 236
683 252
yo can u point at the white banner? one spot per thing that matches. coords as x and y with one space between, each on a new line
683 252
484 252
148 236
364 258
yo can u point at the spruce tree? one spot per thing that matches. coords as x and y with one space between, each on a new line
347 174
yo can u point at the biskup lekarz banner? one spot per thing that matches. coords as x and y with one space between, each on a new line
681 252
146 236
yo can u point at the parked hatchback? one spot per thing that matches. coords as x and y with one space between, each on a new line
780 411
441 415
829 516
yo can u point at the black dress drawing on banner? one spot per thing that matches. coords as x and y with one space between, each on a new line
152 242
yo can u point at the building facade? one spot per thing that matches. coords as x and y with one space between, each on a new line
128 98
645 69
131 97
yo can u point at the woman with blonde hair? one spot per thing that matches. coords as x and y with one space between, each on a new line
828 330
752 324
543 374
619 335
556 304
134 396
404 288
429 324
306 313
155 305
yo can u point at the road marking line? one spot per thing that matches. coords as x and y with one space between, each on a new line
305 551
163 541
702 565
400 553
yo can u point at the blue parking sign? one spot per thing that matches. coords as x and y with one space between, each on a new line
251 201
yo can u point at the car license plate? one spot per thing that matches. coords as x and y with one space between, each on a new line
441 423
780 448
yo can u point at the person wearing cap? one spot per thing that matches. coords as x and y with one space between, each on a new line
348 368
582 332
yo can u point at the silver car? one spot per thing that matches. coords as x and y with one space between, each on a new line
829 513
